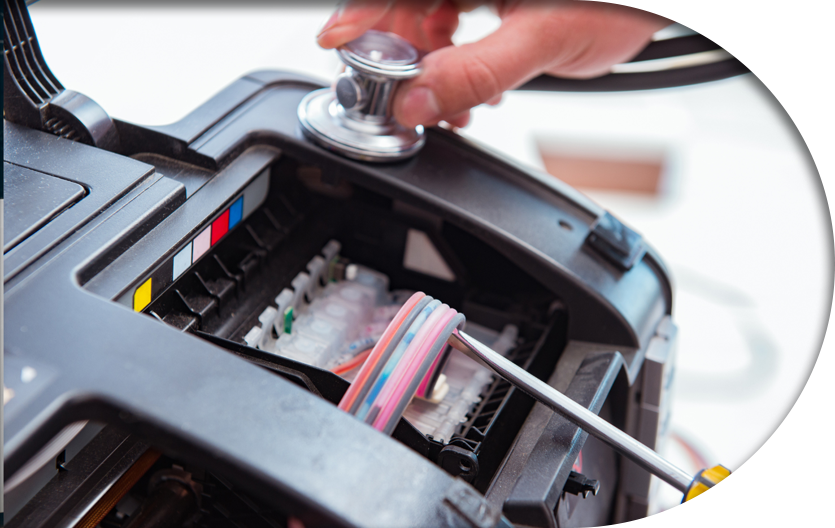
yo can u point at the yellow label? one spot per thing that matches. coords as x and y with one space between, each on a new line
719 476
142 296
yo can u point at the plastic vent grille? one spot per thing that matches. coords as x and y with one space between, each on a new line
23 55
475 429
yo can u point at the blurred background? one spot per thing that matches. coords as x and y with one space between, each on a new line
714 176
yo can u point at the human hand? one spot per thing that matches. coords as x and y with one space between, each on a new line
747 516
566 38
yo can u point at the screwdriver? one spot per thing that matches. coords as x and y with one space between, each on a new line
690 486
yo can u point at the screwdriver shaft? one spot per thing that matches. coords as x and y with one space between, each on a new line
565 406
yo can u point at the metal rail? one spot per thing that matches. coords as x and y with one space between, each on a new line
562 404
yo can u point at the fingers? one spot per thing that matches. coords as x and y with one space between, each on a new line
459 121
746 516
441 25
455 79
355 17
595 36
494 101
572 39
406 19
566 38
350 20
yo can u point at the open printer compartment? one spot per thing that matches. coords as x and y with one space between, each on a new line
516 250
221 297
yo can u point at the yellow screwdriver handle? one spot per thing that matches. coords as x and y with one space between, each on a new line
715 486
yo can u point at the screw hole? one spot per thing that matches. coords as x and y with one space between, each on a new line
464 466
565 225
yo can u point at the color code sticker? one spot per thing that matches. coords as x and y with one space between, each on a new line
220 227
142 296
202 243
168 272
182 261
236 212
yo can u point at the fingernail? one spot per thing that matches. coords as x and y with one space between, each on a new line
711 520
420 107
331 21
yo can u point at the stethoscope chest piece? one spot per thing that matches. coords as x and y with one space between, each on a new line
354 117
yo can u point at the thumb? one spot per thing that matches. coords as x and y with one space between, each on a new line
455 79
